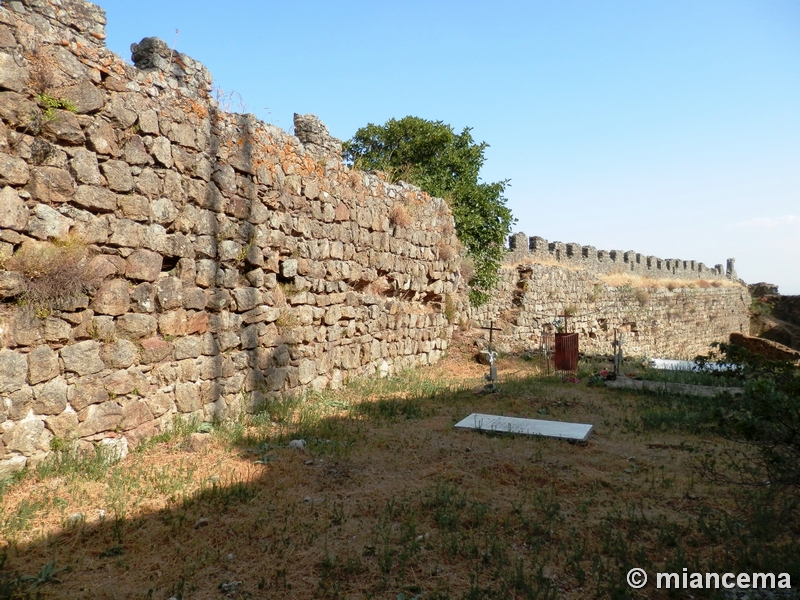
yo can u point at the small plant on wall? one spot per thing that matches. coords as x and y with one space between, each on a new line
399 217
52 273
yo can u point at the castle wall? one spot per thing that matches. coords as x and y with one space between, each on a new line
234 262
674 313
589 258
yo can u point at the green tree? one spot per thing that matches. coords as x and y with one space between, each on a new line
445 164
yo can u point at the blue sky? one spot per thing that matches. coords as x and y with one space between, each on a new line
670 128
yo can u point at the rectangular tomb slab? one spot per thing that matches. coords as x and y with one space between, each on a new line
500 424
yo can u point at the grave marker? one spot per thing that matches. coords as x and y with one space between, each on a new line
500 424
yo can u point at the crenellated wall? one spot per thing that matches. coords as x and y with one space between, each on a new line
589 258
230 262
664 308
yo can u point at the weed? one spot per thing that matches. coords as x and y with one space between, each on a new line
399 217
67 460
53 272
47 574
597 292
446 252
450 310
287 320
52 104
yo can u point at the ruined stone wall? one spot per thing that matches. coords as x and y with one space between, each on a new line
677 317
588 258
231 262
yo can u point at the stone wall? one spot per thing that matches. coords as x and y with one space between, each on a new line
676 318
231 262
589 258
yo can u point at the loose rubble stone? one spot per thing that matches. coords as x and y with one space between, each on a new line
115 448
198 442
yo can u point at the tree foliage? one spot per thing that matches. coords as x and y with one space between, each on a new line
445 164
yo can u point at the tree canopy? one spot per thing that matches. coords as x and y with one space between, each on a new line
446 164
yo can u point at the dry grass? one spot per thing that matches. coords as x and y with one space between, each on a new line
399 217
52 272
387 501
447 252
655 283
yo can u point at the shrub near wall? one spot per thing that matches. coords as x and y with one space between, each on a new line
222 261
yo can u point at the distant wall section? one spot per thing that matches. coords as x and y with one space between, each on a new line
589 258
665 308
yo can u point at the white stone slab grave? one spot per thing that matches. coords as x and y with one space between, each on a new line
500 424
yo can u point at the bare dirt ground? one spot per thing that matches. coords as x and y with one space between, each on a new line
387 500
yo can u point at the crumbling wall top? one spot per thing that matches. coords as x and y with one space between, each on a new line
85 18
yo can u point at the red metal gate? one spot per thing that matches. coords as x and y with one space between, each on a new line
566 352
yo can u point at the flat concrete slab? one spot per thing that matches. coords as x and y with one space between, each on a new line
673 388
500 424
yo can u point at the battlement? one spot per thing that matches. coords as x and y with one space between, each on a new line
522 247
